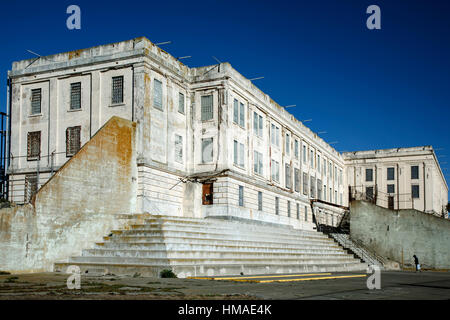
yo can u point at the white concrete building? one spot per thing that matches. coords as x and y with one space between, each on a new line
401 178
209 142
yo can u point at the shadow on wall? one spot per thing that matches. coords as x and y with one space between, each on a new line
400 234
77 206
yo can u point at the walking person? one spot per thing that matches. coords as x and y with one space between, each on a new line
416 262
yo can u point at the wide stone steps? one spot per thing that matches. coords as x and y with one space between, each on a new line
192 246
241 247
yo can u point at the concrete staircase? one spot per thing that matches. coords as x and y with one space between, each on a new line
207 247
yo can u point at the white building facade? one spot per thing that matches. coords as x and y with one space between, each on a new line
209 142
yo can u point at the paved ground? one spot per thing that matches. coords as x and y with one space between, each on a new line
335 286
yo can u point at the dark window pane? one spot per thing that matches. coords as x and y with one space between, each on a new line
369 174
414 172
390 173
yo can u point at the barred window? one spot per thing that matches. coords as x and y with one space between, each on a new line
73 140
312 187
157 94
318 163
297 180
178 148
207 107
305 184
258 163
275 171
369 175
298 211
259 201
304 154
241 196
319 189
277 205
207 150
181 103
296 149
31 187
33 145
117 90
36 98
306 213
288 175
325 192
75 96
289 208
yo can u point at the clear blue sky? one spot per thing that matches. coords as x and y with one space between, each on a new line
368 89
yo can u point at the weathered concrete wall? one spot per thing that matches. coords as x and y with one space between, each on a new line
398 235
77 206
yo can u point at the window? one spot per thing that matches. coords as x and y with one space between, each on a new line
275 136
311 158
288 176
312 186
324 168
277 205
289 208
275 171
75 96
239 113
330 171
335 174
297 180
340 176
288 144
207 150
241 196
331 195
178 148
319 189
298 211
325 192
369 174
335 196
35 101
257 124
33 145
304 154
239 154
207 107
181 103
305 183
340 199
390 174
306 213
73 142
296 149
390 188
31 187
258 163
414 172
415 191
369 193
259 201
117 90
318 162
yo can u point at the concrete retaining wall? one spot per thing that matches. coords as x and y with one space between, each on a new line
398 235
77 206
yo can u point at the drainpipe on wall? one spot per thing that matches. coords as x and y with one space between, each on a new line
398 189
424 194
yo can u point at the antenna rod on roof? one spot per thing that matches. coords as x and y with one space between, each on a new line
334 142
256 78
185 57
321 132
290 106
216 59
161 43
34 53
307 120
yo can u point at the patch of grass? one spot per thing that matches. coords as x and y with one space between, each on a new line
166 273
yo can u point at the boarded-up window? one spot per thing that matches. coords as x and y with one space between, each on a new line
181 103
117 90
207 193
297 180
36 101
33 145
207 150
73 140
207 107
157 94
178 148
31 187
75 96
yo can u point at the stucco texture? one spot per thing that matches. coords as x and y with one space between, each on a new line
400 234
81 203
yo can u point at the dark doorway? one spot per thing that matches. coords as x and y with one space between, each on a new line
391 202
207 194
